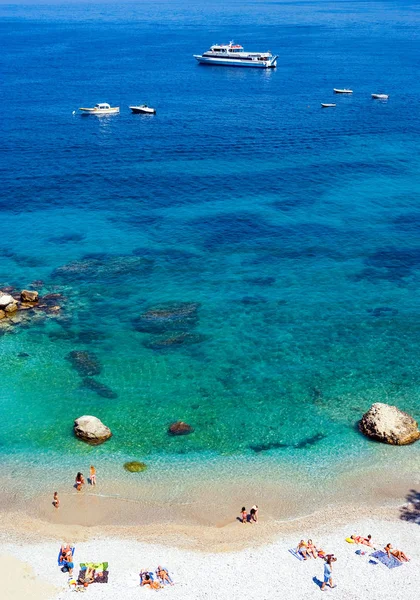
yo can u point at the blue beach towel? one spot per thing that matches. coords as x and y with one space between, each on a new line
296 554
389 561
63 562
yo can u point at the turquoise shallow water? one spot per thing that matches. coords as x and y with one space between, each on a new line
294 231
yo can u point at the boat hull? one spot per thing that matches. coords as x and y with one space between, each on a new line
137 110
104 111
226 62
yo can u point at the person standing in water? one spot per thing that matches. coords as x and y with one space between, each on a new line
254 513
92 475
56 501
329 559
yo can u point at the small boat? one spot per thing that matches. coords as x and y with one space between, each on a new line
143 109
343 91
328 105
380 96
101 109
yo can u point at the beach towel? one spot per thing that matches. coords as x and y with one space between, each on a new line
101 572
63 562
389 561
296 554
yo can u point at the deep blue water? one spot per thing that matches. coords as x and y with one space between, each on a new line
294 229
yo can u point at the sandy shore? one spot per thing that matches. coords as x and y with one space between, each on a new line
257 572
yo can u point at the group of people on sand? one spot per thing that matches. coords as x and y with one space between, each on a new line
252 517
157 580
388 549
310 550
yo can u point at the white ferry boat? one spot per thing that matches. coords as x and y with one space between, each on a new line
233 55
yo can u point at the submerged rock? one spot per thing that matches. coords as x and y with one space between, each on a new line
135 466
177 339
29 296
85 363
91 430
389 424
99 388
180 428
174 316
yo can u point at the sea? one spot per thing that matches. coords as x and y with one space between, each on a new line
244 261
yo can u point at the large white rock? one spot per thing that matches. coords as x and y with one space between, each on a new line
91 430
6 299
390 425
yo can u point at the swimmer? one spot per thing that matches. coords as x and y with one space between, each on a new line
56 501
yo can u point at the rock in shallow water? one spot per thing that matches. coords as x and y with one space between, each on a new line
91 430
388 424
5 300
180 428
135 466
85 363
28 296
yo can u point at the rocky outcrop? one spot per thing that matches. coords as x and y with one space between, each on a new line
11 308
2 314
180 428
28 296
5 300
388 424
91 430
85 363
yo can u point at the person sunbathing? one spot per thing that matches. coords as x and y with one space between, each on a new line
146 578
163 576
358 539
88 576
398 554
311 549
302 549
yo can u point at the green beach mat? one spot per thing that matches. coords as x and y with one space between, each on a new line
102 566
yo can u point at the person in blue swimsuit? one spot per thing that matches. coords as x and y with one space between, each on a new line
329 559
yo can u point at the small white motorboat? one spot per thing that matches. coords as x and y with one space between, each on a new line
101 109
380 96
143 109
328 105
342 91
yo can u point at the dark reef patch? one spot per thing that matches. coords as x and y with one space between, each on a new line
67 238
97 267
261 281
170 316
85 363
174 340
383 311
99 388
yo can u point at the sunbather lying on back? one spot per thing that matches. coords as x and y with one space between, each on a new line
398 554
163 576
